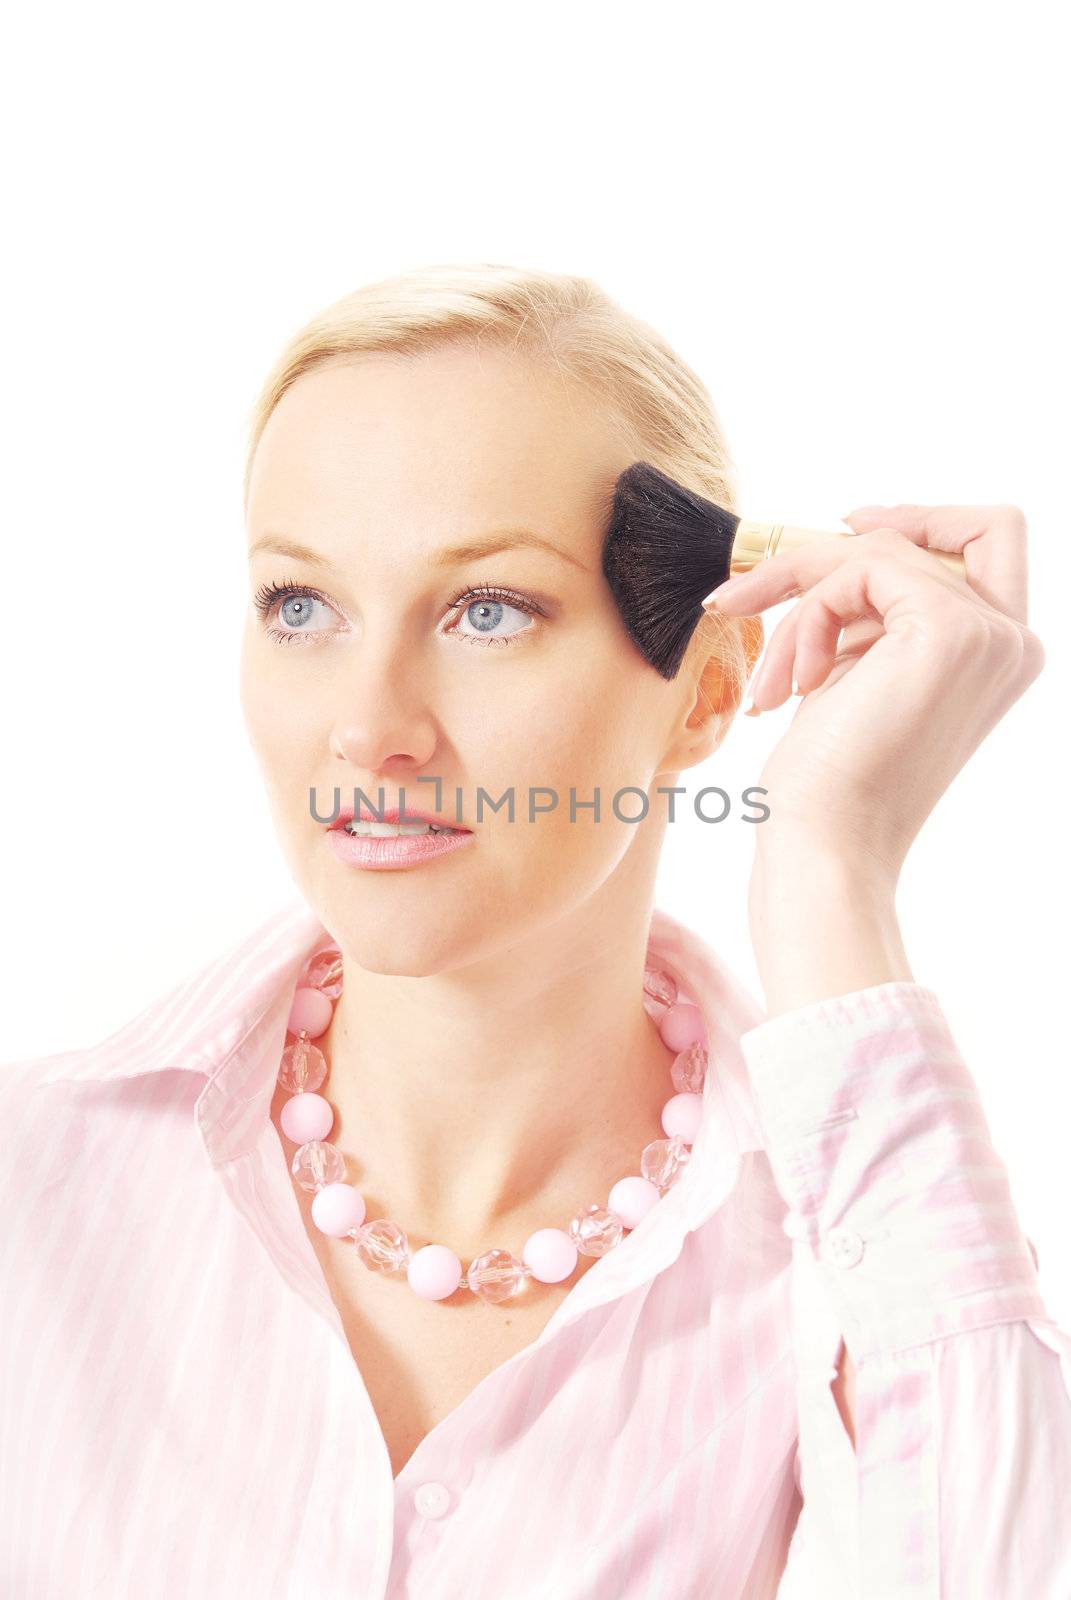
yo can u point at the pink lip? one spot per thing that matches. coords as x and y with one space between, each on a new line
387 854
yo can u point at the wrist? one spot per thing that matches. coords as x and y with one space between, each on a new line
796 861
823 923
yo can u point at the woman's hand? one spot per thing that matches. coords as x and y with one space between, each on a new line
928 663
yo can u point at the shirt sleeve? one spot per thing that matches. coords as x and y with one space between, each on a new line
906 1245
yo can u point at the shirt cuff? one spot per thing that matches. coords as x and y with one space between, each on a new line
878 1142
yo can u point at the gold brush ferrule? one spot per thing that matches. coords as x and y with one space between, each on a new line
752 544
758 541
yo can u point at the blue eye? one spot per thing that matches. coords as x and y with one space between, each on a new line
485 610
293 605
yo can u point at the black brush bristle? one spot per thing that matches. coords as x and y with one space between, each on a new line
666 548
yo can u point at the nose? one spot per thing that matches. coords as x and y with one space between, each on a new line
376 745
384 723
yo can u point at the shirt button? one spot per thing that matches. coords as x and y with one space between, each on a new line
432 1499
842 1247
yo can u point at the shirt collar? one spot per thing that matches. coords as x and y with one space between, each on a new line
228 1022
208 1021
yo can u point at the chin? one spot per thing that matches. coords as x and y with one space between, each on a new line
424 939
419 953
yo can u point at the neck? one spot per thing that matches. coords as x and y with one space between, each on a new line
510 1092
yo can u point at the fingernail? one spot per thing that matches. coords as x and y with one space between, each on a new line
865 513
753 711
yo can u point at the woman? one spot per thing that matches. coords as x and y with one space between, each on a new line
802 1349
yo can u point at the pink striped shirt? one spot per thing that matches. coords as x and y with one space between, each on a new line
181 1414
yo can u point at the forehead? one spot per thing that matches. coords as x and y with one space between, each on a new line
469 432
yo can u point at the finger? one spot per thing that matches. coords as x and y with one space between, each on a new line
773 681
857 637
817 637
992 540
839 620
942 628
780 577
785 668
794 571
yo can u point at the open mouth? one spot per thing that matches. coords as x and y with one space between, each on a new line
390 845
395 830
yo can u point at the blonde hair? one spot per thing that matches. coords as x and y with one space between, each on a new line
657 398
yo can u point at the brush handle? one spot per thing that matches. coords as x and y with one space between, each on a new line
756 541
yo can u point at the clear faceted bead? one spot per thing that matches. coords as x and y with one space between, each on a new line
382 1246
324 972
659 989
496 1276
663 1161
596 1230
302 1067
689 1069
317 1163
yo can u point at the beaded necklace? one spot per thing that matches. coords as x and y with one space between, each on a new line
549 1254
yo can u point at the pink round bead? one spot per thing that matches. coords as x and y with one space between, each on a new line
682 1115
337 1208
631 1198
310 1011
681 1025
434 1272
306 1116
550 1255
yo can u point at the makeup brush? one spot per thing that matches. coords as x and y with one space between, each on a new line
667 547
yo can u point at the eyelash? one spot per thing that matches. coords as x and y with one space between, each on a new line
269 595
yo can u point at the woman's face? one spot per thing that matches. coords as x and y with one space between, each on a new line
393 666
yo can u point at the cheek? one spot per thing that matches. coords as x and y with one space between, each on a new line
589 736
278 721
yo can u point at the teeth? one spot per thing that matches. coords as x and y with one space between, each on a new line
393 830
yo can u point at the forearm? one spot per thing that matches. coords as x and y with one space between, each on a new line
821 924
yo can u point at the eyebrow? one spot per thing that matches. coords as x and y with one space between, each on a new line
449 556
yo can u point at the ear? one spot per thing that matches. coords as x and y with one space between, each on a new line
716 698
718 689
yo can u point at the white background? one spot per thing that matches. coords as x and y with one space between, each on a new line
848 218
